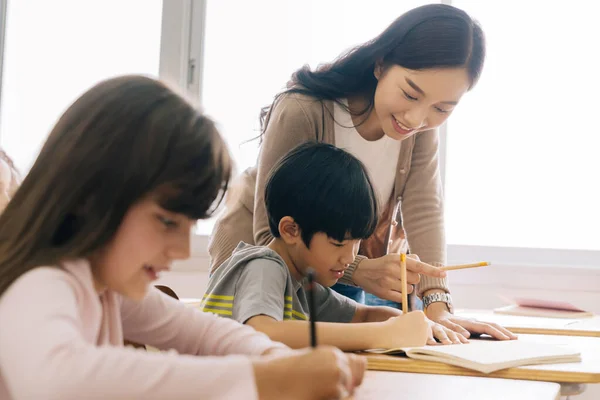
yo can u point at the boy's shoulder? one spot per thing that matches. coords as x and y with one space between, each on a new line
252 256
236 289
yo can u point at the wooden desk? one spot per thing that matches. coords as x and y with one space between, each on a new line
537 325
586 371
379 385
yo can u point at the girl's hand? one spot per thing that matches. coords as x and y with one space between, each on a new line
322 373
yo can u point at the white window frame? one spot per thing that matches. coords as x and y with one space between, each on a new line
192 17
181 62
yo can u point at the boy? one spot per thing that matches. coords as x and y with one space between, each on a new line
320 203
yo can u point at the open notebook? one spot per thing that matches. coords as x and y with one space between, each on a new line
487 356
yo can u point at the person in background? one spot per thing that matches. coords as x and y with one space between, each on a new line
9 179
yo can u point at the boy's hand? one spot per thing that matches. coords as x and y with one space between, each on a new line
444 335
408 330
381 276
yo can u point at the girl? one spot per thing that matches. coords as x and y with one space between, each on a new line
382 102
108 205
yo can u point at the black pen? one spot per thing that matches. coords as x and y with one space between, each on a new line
311 306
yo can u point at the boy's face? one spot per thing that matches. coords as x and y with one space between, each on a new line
328 257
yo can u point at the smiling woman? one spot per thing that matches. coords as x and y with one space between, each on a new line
415 100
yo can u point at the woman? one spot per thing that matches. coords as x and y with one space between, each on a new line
382 102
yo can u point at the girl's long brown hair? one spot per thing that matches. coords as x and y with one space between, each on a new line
124 139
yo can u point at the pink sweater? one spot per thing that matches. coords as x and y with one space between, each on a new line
59 339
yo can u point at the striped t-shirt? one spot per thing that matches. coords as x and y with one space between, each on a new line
255 281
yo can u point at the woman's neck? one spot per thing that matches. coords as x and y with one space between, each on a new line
367 124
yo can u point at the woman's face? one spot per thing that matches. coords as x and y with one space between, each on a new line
409 101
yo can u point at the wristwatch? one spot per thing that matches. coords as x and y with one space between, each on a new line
437 297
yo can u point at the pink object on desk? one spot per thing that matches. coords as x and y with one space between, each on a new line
546 304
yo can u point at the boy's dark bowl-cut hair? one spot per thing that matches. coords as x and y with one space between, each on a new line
324 189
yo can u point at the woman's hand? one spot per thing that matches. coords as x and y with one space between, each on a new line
381 276
438 312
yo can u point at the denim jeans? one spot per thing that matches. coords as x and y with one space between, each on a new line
360 296
372 300
353 292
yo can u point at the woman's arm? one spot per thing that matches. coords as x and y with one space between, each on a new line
423 208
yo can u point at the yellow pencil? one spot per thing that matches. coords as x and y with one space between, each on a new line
404 284
463 266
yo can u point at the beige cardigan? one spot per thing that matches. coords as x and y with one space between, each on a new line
295 119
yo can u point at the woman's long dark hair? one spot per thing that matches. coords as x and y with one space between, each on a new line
430 36
124 139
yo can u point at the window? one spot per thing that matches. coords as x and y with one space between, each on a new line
521 150
54 51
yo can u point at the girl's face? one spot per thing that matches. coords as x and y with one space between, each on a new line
409 101
148 240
